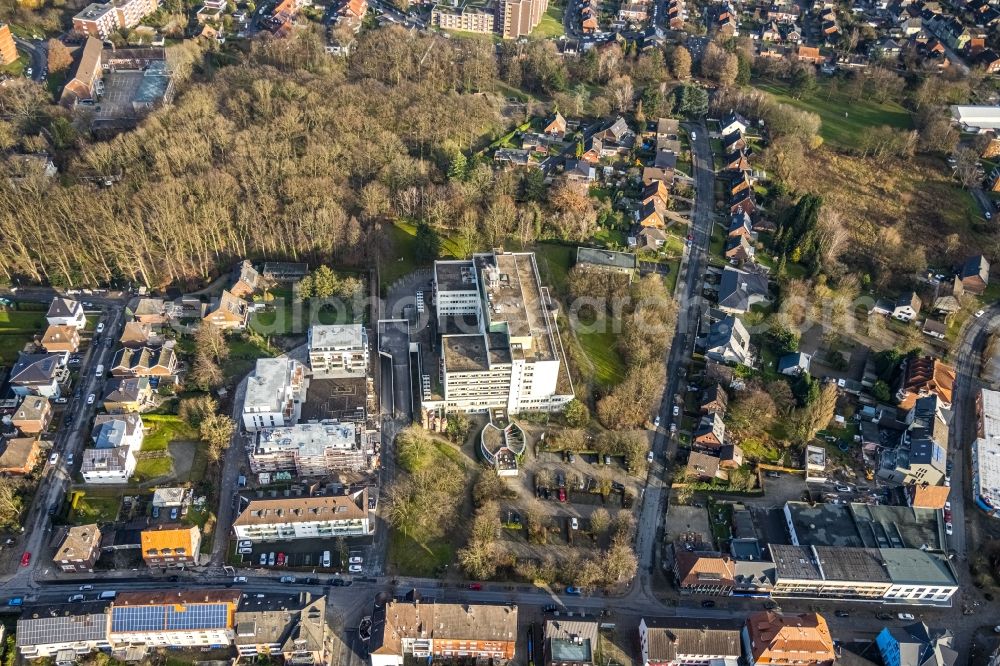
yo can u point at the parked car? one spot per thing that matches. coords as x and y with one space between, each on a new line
337 582
156 514
69 459
708 603
574 591
656 421
649 456
842 613
84 588
356 560
26 559
100 327
355 568
61 401
948 528
883 616
263 559
562 494
673 427
173 513
281 559
843 489
270 559
980 313
574 523
239 579
75 598
475 586
54 458
91 398
677 410
288 579
905 616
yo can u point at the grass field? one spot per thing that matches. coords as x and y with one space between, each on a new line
402 262
843 118
163 429
94 508
15 68
18 328
411 555
151 468
601 349
243 355
551 25
287 316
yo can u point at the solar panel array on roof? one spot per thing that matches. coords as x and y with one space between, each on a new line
169 617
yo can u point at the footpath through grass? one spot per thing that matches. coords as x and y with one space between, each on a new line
844 118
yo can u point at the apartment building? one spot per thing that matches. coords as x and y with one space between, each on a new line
164 547
424 631
922 453
66 312
33 415
61 339
499 346
788 640
468 19
275 393
338 351
311 449
8 49
291 625
79 549
517 18
678 641
101 19
85 84
986 453
117 439
71 630
304 518
144 362
172 618
923 376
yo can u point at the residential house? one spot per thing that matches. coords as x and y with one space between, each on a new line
304 518
166 547
291 625
616 138
728 342
922 496
513 157
795 364
742 201
788 640
656 193
228 312
649 215
741 290
136 334
352 12
338 351
117 439
733 142
579 172
738 249
808 54
988 60
740 224
65 633
166 619
606 260
39 374
667 129
536 143
676 14
127 394
79 549
771 32
66 312
662 168
734 122
99 20
730 456
714 400
923 376
19 456
922 453
703 572
144 362
61 339
570 642
647 238
8 49
949 294
703 467
975 274
428 630
171 497
680 641
556 128
245 281
151 311
738 162
934 328
275 394
86 80
906 307
633 12
33 415
916 645
710 433
739 183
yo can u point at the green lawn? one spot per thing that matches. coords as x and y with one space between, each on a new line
411 555
15 68
89 508
14 320
843 118
287 316
151 468
551 25
554 262
601 349
243 355
402 261
163 429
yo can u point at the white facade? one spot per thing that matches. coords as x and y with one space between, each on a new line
304 518
310 449
66 312
108 466
338 351
681 659
976 118
274 395
986 453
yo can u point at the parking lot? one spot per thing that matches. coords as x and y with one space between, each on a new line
307 554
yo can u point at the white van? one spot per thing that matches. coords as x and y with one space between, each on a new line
100 370
108 594
326 558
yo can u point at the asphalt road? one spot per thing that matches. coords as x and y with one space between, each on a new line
37 54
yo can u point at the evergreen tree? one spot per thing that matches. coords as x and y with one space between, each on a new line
428 243
459 167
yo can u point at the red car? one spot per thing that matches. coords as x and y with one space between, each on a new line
281 559
475 586
562 494
26 559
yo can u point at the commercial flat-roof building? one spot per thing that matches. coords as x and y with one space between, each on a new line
858 525
986 453
304 518
338 351
897 575
500 347
570 642
311 449
70 630
976 118
275 393
427 630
